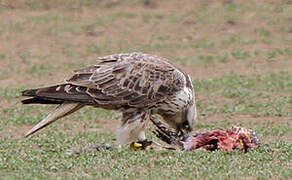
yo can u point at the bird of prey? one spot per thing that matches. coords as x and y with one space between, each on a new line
136 84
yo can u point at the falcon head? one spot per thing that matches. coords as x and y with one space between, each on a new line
184 120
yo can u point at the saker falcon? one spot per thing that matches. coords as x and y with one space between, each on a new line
136 84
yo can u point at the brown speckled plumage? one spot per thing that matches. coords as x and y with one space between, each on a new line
136 84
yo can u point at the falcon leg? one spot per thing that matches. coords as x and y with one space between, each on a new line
142 136
131 128
129 133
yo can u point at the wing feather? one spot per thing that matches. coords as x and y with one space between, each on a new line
135 79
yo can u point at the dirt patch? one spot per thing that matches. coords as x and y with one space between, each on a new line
106 125
14 131
232 67
245 118
74 127
48 38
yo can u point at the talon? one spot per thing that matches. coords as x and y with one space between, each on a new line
141 145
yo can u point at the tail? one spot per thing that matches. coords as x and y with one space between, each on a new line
69 97
57 94
62 110
36 100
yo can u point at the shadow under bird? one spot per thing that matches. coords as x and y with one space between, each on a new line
136 84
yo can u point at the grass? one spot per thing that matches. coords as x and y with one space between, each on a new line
45 155
247 95
237 52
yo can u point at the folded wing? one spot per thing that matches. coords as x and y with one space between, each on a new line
122 80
